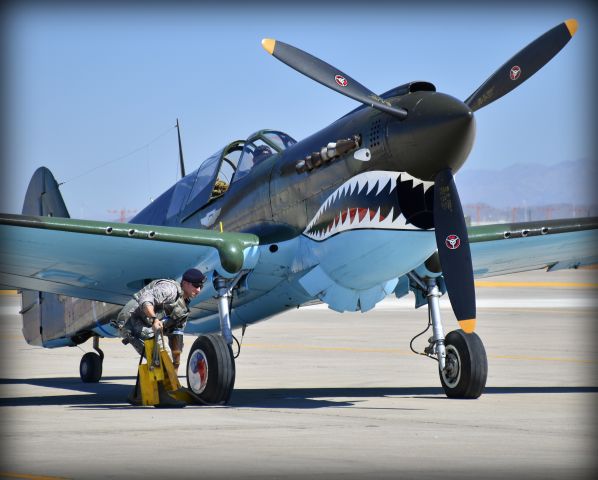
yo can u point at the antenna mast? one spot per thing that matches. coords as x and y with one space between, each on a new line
178 129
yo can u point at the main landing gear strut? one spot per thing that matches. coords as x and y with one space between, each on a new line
211 365
462 361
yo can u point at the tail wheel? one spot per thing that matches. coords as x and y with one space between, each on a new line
466 370
90 367
211 369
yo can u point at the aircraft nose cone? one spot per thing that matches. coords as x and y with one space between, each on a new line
438 134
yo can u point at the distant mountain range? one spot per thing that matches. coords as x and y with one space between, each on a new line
529 185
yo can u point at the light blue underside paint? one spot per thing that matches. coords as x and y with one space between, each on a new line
528 253
105 330
103 268
356 270
361 259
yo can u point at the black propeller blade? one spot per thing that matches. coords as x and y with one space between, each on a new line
328 75
453 249
523 65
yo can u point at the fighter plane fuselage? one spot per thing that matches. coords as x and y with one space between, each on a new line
277 200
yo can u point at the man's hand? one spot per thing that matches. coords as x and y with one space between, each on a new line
157 325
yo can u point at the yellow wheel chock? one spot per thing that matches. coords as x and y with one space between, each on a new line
157 381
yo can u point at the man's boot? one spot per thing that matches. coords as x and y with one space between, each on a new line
175 342
176 360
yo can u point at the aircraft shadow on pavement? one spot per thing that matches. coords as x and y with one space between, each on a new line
101 393
110 394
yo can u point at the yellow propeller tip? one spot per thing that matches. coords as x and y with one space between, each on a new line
571 26
468 326
269 45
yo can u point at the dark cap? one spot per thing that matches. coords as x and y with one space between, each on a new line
194 276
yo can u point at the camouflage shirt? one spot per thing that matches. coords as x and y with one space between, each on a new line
167 298
162 292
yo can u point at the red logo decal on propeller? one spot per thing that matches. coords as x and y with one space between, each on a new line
452 242
342 81
515 72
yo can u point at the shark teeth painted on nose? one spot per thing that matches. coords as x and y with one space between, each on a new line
373 200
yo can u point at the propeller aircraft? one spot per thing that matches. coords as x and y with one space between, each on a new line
364 208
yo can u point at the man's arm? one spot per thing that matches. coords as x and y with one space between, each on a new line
148 310
161 293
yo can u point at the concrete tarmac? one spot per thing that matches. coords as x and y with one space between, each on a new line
328 396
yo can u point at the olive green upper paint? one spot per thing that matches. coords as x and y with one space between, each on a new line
487 233
230 245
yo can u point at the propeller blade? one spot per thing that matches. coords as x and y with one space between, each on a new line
327 75
453 249
523 65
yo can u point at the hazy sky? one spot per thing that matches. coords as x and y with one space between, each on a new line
86 86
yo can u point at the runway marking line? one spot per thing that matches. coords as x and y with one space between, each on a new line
28 477
543 359
493 284
314 347
397 351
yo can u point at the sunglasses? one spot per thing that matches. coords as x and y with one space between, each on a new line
196 284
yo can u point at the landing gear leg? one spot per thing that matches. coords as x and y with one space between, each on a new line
462 361
96 347
90 368
436 346
223 299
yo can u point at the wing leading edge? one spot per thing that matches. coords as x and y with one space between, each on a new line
108 262
501 249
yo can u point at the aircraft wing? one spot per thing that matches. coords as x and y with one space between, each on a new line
109 262
551 244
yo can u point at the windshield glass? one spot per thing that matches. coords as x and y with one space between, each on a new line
200 184
204 175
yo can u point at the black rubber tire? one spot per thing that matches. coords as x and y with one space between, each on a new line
219 368
466 365
90 367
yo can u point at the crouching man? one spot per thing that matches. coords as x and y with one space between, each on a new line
161 305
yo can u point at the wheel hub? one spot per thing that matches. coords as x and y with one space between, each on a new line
451 374
198 371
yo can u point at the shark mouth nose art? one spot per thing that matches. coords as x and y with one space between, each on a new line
375 200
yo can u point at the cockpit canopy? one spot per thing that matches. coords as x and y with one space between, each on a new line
213 177
260 146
